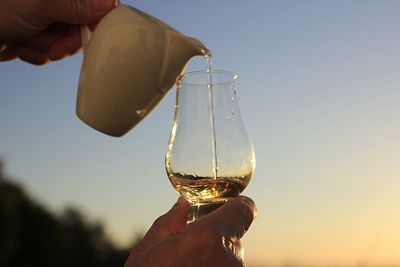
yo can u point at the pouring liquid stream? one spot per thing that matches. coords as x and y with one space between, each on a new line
212 117
196 212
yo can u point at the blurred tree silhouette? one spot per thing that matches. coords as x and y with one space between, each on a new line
31 236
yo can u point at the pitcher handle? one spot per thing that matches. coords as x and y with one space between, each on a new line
86 34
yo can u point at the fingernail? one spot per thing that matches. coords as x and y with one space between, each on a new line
103 5
249 203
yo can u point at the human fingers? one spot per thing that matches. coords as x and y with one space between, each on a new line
9 52
218 233
167 225
78 11
233 219
32 56
55 43
38 51
68 44
46 38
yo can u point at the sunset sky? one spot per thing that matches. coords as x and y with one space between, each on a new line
319 87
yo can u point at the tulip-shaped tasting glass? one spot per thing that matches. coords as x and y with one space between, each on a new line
210 158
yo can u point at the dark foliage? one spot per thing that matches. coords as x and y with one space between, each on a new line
31 236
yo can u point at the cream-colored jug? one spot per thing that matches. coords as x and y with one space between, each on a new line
130 63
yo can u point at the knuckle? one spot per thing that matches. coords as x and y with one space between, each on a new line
79 8
163 222
76 7
246 215
160 220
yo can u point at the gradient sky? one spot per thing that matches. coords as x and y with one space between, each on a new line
319 86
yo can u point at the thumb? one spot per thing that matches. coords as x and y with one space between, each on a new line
233 219
78 11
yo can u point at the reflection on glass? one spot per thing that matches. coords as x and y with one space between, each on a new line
210 157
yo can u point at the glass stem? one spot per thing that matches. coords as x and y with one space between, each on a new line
201 209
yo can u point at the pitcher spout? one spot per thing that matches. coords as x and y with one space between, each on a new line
200 46
178 51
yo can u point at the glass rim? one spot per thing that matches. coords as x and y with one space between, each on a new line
181 78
